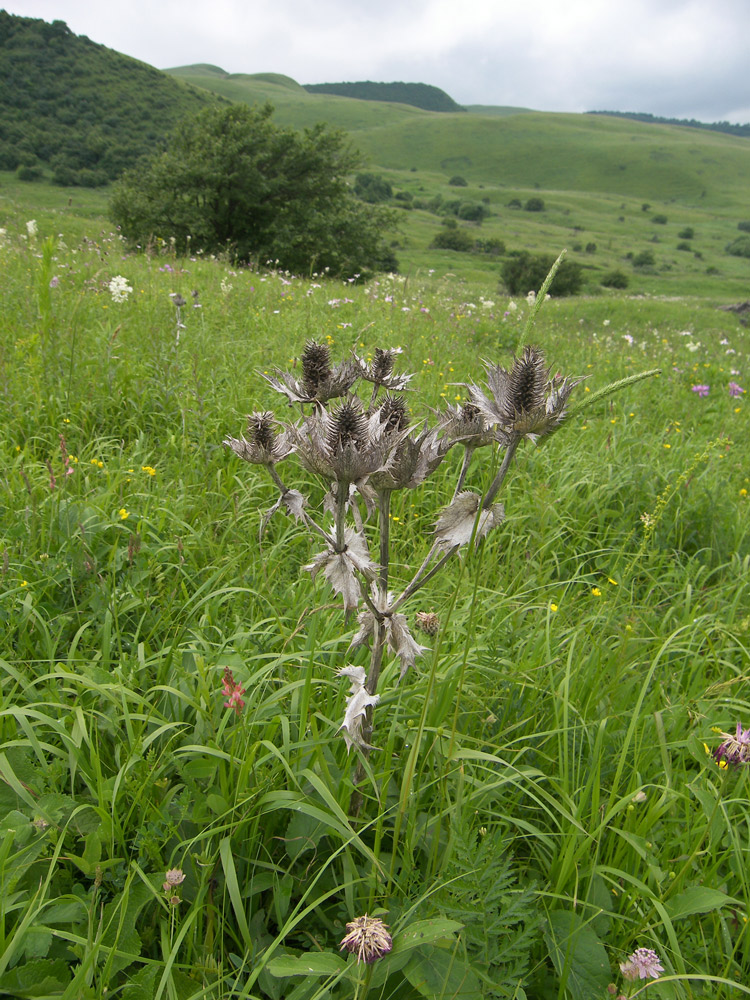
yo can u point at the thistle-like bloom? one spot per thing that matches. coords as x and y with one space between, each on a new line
735 749
644 963
468 425
320 380
427 622
346 446
367 939
357 703
232 691
379 371
523 401
174 877
415 456
262 446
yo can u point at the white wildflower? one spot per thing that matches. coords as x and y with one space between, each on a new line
31 228
119 288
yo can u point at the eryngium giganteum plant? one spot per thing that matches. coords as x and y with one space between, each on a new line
364 450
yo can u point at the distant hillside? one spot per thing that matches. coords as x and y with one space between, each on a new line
418 95
639 116
78 108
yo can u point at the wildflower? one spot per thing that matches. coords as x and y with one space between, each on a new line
119 288
596 592
177 300
320 381
54 282
735 749
150 470
702 390
367 939
644 963
232 691
427 622
262 446
123 513
173 878
357 703
31 228
743 492
414 456
524 401
553 607
735 390
380 370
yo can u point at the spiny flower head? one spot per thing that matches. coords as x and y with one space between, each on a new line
393 413
320 380
367 938
262 446
644 963
735 749
379 371
348 427
316 366
427 622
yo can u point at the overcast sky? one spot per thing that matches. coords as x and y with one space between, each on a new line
679 58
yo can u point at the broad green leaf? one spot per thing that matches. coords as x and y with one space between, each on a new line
316 963
439 972
424 932
578 955
35 979
697 899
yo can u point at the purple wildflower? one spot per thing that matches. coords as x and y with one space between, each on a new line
735 390
735 749
702 390
644 963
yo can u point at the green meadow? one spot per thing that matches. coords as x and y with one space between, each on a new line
542 798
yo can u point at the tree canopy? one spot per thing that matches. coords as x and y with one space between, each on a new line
231 181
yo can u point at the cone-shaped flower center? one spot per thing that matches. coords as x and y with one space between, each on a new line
382 365
528 382
260 429
316 366
393 413
349 427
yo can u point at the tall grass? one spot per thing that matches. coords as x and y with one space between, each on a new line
540 803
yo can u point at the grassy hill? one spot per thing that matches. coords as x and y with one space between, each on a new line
78 109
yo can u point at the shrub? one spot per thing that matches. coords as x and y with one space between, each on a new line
687 233
525 272
739 247
404 196
684 245
25 173
644 259
493 246
645 206
372 188
453 239
534 205
470 211
660 220
231 181
514 203
591 248
615 279
744 226
458 181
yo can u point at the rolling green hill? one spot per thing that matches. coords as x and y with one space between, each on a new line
77 108
419 95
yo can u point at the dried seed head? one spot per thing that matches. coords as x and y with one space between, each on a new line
527 382
427 622
470 413
393 413
260 429
175 876
382 365
367 939
316 366
349 427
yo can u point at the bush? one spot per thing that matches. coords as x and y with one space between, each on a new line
660 220
644 259
231 181
591 248
687 233
453 239
458 181
739 247
404 196
525 272
470 211
24 173
684 245
744 226
514 203
493 246
372 188
534 205
615 279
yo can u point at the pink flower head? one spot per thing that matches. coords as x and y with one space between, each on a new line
702 390
735 749
232 691
367 939
642 964
735 390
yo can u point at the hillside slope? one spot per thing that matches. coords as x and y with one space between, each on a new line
80 108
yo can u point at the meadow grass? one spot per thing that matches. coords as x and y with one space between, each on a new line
540 803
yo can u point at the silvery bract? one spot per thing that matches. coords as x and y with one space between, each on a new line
341 568
400 640
320 380
357 703
455 526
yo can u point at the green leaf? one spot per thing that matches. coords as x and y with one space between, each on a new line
35 979
578 955
697 899
424 932
315 963
438 972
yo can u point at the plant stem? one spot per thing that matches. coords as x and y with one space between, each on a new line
497 482
384 512
468 452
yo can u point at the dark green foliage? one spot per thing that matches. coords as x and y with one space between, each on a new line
591 248
471 211
645 206
744 226
525 272
493 246
418 95
615 279
514 203
24 173
79 106
684 245
534 205
372 188
739 247
732 129
453 239
660 220
687 233
231 181
458 181
644 259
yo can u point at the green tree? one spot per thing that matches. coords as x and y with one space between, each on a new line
234 182
525 272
